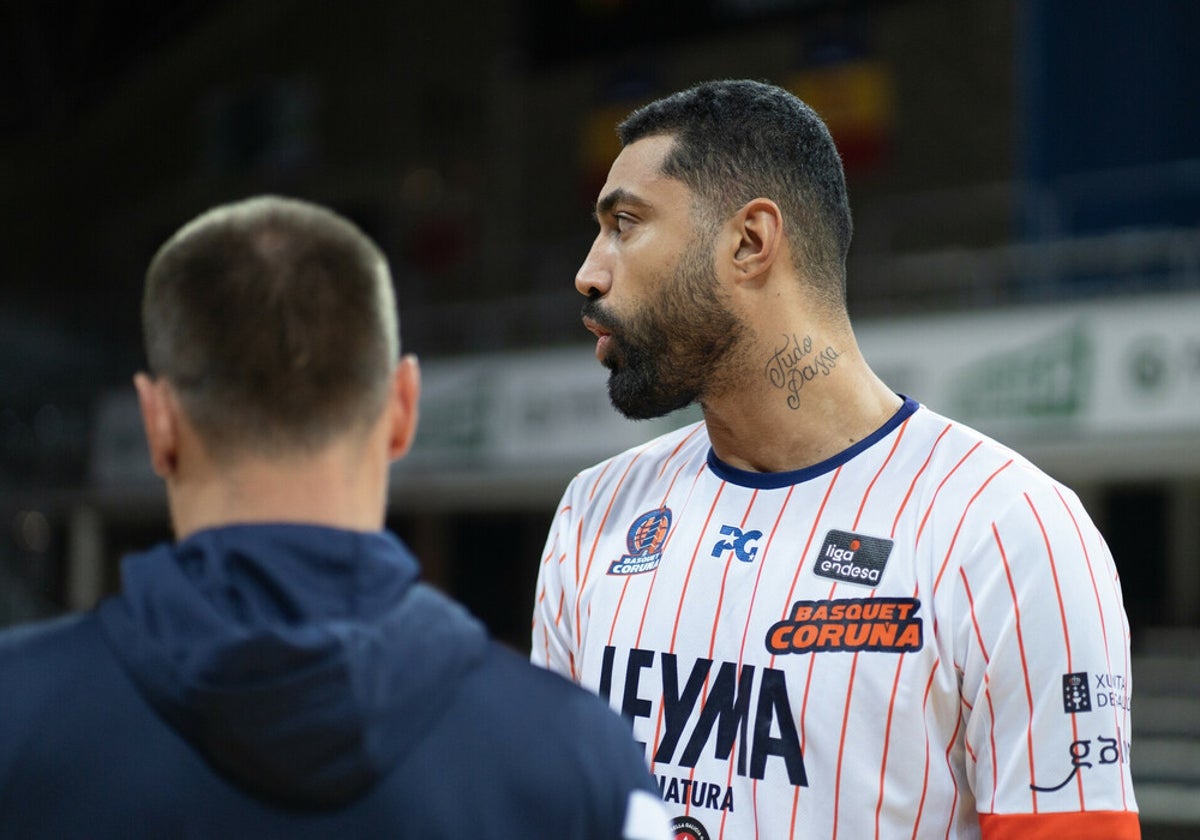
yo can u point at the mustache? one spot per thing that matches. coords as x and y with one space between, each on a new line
592 311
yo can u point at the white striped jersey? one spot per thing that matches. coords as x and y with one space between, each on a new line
923 636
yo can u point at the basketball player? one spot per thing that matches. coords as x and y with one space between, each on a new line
826 610
279 670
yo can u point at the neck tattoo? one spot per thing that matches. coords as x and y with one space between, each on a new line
794 364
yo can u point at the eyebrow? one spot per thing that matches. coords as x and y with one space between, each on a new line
618 196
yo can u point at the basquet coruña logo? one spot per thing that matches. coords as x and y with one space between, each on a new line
645 542
890 625
853 558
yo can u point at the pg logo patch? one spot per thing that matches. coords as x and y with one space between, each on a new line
853 558
740 543
645 542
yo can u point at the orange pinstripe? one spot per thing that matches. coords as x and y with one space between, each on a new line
837 796
716 620
940 487
1016 605
679 612
987 692
1087 556
950 767
749 611
650 590
662 503
958 528
592 554
917 477
925 769
1062 612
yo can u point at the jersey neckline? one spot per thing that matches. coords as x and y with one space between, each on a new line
770 481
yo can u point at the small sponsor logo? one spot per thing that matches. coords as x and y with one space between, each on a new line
645 542
1107 751
694 792
689 828
1076 695
738 542
1110 690
853 558
888 625
704 700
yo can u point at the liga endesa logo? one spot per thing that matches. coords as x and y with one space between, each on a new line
871 624
645 541
852 558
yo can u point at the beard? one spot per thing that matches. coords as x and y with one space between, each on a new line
676 348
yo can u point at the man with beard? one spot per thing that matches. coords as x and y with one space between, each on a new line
826 608
279 670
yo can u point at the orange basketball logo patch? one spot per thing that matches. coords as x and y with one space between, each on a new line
644 541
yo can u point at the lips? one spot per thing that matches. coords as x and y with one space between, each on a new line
603 336
595 329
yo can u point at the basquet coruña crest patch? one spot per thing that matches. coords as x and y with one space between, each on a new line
645 542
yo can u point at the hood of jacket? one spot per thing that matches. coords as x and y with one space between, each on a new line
302 661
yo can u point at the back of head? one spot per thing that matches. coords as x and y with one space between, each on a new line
739 140
274 321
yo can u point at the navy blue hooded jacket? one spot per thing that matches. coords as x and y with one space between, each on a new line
296 681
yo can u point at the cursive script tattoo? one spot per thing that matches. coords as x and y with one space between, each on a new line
793 364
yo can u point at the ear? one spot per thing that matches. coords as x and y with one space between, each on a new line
160 421
404 407
757 230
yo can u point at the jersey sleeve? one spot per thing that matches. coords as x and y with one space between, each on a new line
1041 643
554 643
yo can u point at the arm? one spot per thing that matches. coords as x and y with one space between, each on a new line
553 642
1042 644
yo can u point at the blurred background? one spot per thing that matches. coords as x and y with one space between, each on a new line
1025 176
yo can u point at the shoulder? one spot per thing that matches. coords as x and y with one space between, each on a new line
47 663
646 462
974 484
960 452
569 726
498 695
559 706
47 668
542 738
23 645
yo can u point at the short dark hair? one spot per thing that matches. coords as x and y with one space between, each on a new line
275 321
736 140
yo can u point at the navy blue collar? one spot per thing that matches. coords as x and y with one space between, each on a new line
770 481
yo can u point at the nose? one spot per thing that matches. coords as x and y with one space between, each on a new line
594 277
